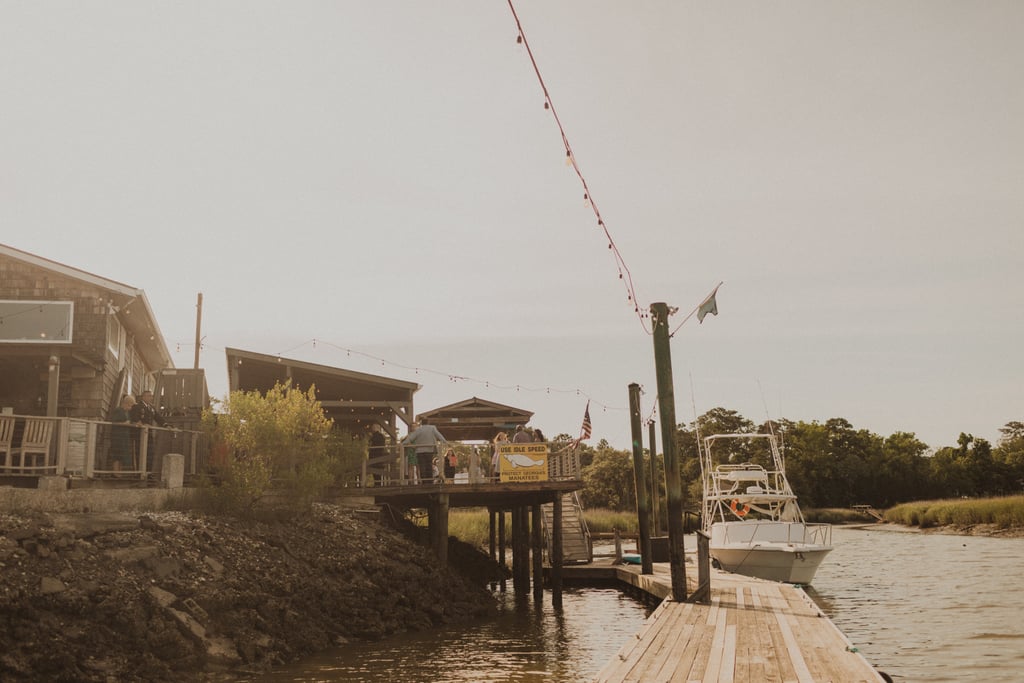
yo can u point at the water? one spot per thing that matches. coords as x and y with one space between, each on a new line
928 607
524 643
921 607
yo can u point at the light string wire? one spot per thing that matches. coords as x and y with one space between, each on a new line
451 376
624 273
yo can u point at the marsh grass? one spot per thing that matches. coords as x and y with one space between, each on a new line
837 516
1005 513
472 525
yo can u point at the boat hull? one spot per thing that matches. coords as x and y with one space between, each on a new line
794 564
790 552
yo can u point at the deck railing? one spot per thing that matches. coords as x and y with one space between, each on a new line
392 468
85 448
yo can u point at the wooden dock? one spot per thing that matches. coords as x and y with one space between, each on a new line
753 631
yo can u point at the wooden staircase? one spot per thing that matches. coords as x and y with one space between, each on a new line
577 546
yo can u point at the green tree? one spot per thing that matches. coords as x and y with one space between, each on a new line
279 438
608 480
1009 453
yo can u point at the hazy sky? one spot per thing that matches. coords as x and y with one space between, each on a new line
383 177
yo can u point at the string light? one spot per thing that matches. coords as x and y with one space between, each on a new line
570 160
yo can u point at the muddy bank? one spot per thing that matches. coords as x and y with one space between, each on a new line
173 596
991 530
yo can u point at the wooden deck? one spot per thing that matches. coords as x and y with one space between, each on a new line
753 631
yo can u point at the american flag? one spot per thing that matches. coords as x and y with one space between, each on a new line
586 429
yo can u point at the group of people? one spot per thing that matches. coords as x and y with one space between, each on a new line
424 441
128 416
523 434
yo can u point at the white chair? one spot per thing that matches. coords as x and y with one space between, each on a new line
35 444
6 436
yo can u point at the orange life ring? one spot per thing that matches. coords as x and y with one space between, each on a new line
737 509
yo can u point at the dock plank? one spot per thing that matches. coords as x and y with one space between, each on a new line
753 631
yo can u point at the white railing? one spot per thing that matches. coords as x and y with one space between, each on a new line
68 446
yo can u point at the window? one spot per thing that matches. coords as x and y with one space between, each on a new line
115 336
36 322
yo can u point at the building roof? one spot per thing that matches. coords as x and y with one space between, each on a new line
475 419
345 395
137 315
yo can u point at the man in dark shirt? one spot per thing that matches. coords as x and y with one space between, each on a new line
426 439
144 412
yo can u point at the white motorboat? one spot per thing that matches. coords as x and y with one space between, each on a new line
751 514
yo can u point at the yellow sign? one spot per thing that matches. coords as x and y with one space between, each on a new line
521 462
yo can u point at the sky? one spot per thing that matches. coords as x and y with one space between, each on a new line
383 178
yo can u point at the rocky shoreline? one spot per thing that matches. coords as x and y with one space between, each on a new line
171 596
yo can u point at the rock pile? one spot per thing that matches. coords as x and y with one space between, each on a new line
174 596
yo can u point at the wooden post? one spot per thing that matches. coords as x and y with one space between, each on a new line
537 554
703 592
439 527
556 552
618 547
491 529
673 485
501 548
655 497
53 386
517 559
524 547
643 508
143 451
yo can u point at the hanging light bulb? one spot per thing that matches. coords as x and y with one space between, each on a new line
568 158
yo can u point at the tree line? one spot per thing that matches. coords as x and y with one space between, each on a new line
829 464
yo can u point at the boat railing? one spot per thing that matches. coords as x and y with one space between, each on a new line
819 534
774 532
738 479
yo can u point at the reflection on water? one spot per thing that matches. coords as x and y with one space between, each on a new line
921 607
928 607
523 643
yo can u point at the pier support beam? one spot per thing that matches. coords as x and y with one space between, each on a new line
537 554
502 535
556 553
437 523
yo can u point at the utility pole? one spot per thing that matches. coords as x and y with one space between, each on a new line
643 508
673 486
199 323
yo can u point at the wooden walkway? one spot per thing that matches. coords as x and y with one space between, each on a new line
753 631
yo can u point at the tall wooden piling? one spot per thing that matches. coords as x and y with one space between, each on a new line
642 506
673 485
537 553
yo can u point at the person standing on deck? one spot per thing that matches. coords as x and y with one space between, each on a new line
426 439
377 449
122 435
501 438
522 435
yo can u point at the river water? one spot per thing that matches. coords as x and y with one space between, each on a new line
928 607
921 607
